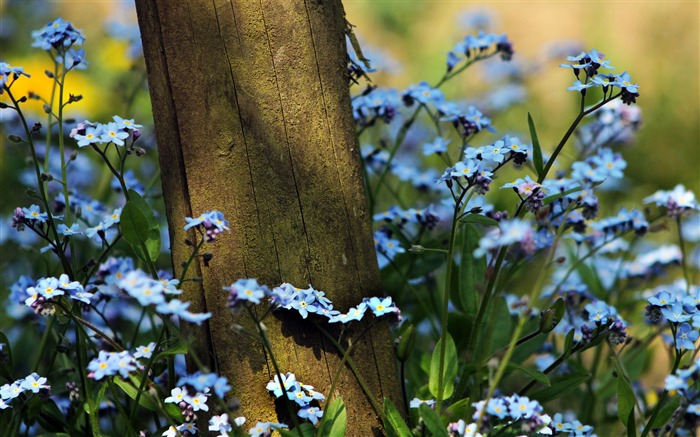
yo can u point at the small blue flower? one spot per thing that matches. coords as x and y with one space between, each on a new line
247 290
675 313
523 407
311 413
662 299
111 133
422 93
686 337
598 311
126 124
466 169
68 232
34 214
438 146
381 306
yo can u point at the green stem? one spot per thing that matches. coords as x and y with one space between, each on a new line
662 398
267 346
377 408
44 341
460 206
151 360
534 295
42 190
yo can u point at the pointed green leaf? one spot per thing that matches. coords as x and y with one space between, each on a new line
560 386
134 225
145 400
449 369
432 421
479 219
394 422
334 420
532 373
536 149
551 317
666 412
625 396
153 240
458 409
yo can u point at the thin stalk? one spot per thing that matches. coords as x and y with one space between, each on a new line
377 408
458 210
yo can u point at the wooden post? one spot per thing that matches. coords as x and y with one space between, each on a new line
253 118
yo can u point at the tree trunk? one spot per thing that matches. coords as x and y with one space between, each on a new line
253 118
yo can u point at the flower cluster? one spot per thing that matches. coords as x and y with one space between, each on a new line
684 382
49 289
523 413
221 424
590 63
304 396
305 301
116 132
191 395
149 291
613 123
32 383
468 122
426 217
679 308
211 224
479 46
375 104
677 202
112 363
7 71
586 315
61 36
480 164
507 233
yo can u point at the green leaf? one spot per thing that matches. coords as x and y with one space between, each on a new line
470 272
176 349
449 369
145 400
536 149
393 421
532 373
479 219
625 396
134 225
307 430
432 421
499 326
551 317
666 412
560 386
569 341
459 409
153 241
335 416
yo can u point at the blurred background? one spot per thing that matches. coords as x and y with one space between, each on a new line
656 42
